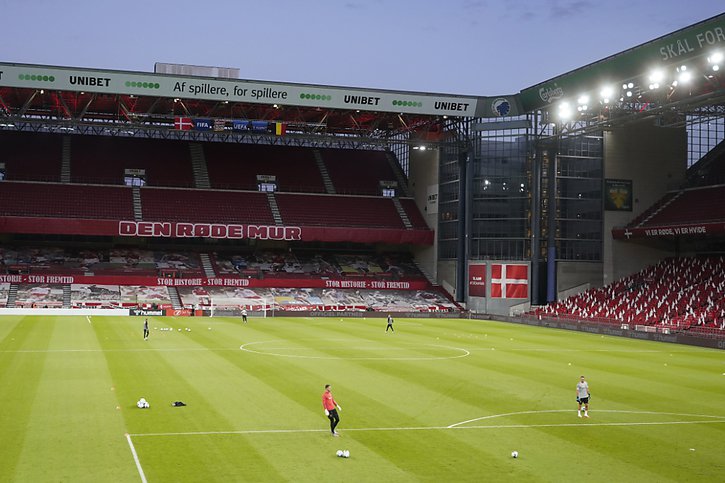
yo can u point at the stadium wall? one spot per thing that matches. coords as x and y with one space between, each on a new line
655 159
423 184
576 274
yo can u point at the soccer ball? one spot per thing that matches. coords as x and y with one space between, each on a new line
346 454
340 453
515 454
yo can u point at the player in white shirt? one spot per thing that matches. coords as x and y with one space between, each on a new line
244 315
582 397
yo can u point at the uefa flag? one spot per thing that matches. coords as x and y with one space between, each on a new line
183 123
509 281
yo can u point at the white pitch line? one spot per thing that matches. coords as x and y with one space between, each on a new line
465 353
435 428
430 428
88 318
621 411
135 458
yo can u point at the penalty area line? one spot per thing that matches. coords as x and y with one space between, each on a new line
135 459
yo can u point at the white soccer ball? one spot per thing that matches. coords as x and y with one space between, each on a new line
340 453
346 454
515 454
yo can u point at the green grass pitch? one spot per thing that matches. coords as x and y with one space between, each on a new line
438 400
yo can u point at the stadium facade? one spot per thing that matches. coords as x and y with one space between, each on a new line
504 202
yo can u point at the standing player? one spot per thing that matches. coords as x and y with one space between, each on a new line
331 408
244 315
390 323
146 329
582 397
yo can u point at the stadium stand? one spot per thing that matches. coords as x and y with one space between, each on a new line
281 264
206 206
682 293
39 295
313 299
102 160
31 156
236 166
685 207
357 172
4 292
18 198
99 262
123 296
302 210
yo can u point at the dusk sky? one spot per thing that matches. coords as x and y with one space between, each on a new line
472 47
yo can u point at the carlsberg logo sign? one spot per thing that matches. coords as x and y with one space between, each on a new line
549 94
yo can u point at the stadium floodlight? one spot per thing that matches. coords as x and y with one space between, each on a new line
630 85
656 76
564 111
583 100
684 74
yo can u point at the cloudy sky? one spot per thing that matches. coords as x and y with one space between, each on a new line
473 47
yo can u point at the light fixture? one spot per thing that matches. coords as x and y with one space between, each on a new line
564 111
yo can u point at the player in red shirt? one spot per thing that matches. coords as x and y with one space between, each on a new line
331 408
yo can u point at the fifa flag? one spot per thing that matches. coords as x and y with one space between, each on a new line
183 123
509 281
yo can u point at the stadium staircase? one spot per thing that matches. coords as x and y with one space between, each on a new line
137 211
175 299
12 296
66 297
65 163
659 209
329 186
275 209
207 265
198 166
425 273
403 214
399 175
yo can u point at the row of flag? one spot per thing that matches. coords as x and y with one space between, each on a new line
219 125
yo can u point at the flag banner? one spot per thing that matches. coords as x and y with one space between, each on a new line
477 280
242 125
280 129
203 124
260 125
618 194
183 123
509 281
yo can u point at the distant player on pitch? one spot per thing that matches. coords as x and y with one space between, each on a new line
244 315
390 323
146 329
331 408
582 397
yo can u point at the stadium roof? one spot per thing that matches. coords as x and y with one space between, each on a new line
678 74
139 99
675 75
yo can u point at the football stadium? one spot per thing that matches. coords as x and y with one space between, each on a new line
522 287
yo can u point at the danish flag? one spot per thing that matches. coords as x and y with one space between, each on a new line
509 281
183 123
